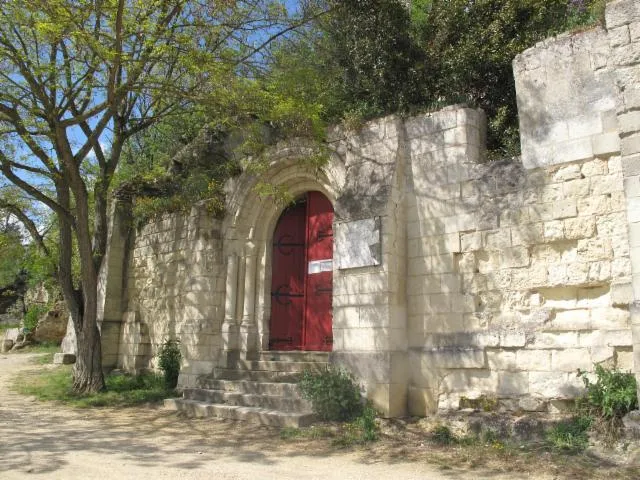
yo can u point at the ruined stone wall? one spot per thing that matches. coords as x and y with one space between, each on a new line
517 278
175 289
520 273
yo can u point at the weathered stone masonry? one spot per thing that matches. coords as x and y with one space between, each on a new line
481 279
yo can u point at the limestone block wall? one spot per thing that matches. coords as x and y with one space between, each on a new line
521 273
454 278
369 313
623 23
566 99
515 282
175 290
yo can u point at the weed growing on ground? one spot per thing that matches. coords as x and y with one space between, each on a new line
7 326
44 347
335 397
44 359
442 435
570 436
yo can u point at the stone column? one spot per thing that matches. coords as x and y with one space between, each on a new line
623 26
111 281
230 327
248 328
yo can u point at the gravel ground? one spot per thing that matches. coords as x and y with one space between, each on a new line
45 440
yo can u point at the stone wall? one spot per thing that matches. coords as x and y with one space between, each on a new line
517 278
369 301
623 23
454 278
175 290
521 273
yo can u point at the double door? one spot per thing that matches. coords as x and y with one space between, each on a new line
302 276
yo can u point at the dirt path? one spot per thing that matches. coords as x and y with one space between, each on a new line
43 440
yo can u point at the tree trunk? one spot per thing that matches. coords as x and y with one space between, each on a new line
87 371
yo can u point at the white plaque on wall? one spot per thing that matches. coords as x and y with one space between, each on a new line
358 243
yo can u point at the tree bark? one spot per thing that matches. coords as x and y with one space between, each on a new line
87 371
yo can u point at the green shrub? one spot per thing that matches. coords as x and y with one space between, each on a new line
34 312
442 435
366 422
333 394
169 362
613 395
607 400
571 435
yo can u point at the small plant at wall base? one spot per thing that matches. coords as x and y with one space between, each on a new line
169 361
608 399
333 394
570 436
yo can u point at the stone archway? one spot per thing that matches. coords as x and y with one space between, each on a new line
248 251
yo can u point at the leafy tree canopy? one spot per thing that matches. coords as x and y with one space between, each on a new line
374 57
80 78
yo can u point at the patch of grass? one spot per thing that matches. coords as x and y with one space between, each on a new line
7 326
312 433
122 390
570 436
44 359
44 347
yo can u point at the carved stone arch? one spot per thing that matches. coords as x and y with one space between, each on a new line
250 223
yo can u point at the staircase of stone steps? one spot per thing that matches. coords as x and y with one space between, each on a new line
261 391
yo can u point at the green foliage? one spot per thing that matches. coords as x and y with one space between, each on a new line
470 47
366 422
121 390
11 253
581 13
570 436
442 435
173 165
33 314
380 66
371 58
169 357
612 395
333 394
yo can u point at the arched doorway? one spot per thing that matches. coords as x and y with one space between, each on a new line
302 276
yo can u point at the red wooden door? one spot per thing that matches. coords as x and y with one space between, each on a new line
302 276
319 277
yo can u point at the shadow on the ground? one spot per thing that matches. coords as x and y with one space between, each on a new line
152 436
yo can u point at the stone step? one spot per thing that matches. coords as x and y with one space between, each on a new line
279 366
263 416
272 402
294 356
256 375
250 387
